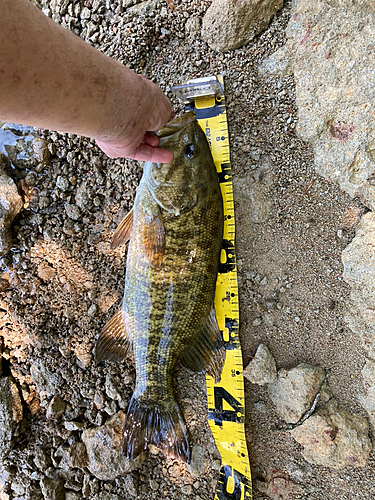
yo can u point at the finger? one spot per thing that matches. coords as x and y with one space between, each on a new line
151 140
144 152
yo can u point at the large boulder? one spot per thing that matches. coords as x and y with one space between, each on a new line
229 24
330 50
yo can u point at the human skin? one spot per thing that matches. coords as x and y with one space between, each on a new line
50 78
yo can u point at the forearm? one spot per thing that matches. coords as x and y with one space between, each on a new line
52 79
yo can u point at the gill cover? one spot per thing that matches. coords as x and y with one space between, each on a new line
176 186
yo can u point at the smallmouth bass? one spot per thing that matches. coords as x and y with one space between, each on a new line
167 315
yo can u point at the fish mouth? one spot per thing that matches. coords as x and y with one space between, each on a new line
176 125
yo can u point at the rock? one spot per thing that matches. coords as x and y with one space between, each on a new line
45 271
368 401
44 378
74 457
148 6
41 150
358 259
334 438
228 24
359 271
11 414
93 309
130 483
294 390
277 486
85 13
196 466
73 211
111 388
56 407
62 183
103 445
73 426
103 495
41 459
82 198
72 495
193 25
52 489
83 355
10 205
262 369
330 49
6 476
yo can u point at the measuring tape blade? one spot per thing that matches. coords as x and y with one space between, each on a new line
226 399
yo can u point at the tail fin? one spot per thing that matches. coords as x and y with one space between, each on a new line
161 425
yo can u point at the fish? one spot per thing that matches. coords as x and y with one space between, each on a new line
175 234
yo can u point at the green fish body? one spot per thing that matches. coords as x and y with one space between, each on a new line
167 314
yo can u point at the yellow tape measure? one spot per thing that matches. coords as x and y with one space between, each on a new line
226 400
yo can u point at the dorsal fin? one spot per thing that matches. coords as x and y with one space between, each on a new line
122 233
113 342
207 353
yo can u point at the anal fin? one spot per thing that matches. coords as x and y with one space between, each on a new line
113 343
122 233
207 353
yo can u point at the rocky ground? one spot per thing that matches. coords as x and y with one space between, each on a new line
60 283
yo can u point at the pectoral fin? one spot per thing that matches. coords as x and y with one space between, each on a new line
113 343
122 233
153 236
207 353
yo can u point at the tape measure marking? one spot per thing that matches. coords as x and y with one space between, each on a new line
226 401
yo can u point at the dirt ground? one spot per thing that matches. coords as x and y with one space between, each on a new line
291 227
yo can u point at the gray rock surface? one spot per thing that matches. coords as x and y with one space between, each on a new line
107 496
46 381
56 407
358 259
196 466
103 444
10 414
294 390
41 150
278 486
368 400
41 459
74 457
228 24
72 495
330 50
52 489
334 438
262 369
10 205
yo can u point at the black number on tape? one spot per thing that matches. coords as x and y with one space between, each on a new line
218 414
233 485
226 174
230 258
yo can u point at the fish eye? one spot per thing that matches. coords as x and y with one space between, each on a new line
191 150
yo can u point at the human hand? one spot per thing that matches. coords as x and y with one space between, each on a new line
137 141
